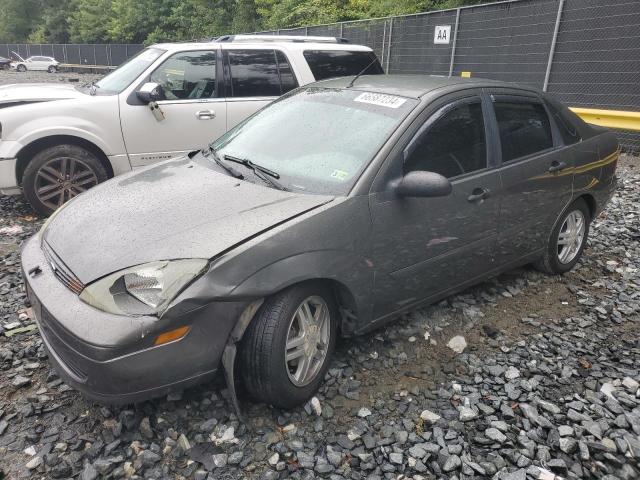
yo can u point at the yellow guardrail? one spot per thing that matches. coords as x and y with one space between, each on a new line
617 119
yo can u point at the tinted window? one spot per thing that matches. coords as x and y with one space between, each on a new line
287 78
337 63
524 128
454 145
254 73
566 121
188 75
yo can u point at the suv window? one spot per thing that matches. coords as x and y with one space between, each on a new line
455 143
341 63
188 75
259 73
524 128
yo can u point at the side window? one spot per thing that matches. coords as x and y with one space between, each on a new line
454 145
287 78
188 75
566 120
524 128
341 63
254 73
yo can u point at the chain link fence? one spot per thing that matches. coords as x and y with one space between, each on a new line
77 54
585 52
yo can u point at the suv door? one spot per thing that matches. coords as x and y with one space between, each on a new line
254 78
424 247
194 111
536 171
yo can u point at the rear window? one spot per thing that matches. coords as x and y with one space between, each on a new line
524 128
566 120
259 73
341 63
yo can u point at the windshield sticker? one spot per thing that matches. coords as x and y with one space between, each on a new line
339 174
381 99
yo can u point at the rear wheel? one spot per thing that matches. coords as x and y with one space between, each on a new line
567 240
57 174
21 68
52 69
287 348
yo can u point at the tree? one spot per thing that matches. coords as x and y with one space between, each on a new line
18 18
89 21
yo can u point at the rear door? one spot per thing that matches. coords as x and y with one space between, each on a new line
536 171
254 78
422 247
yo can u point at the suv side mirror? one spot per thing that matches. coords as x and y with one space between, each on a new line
150 92
423 184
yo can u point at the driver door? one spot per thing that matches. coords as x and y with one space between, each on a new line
193 107
424 247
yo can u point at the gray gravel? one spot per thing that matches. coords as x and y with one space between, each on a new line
546 386
10 76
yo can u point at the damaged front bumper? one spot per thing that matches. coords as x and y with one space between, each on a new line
112 358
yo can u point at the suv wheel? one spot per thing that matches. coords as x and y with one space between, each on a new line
52 69
59 173
567 240
21 68
287 348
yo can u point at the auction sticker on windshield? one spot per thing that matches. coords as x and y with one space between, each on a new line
381 99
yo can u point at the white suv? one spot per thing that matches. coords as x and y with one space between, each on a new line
35 62
59 140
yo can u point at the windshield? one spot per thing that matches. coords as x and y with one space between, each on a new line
126 73
319 140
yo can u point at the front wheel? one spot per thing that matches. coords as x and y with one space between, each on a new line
287 348
57 174
21 68
567 240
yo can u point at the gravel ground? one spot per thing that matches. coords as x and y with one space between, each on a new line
11 76
547 386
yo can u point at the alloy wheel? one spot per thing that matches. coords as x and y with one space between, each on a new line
61 179
571 236
308 339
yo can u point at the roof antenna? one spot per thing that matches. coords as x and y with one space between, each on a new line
375 59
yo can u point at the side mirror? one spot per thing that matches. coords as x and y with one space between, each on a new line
423 184
150 92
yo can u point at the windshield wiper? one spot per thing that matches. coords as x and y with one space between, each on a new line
216 158
259 171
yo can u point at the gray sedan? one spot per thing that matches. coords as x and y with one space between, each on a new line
330 212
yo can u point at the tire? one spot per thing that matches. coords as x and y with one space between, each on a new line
557 261
52 69
264 369
58 173
21 68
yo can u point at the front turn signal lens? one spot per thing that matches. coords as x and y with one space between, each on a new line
171 335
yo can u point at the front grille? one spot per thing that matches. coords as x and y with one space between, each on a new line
61 271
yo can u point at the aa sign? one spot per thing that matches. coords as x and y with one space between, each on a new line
442 34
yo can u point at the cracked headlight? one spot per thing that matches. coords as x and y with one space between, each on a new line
144 289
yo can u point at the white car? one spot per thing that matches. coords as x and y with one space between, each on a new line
35 62
59 140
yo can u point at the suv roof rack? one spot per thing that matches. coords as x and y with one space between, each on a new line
280 38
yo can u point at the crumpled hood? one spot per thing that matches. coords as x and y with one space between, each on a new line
37 92
180 208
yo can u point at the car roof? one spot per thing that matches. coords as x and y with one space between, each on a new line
270 44
414 86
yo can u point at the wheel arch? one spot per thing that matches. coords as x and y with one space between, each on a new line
591 203
28 151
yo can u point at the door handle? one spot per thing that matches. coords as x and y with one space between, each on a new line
478 195
205 115
557 166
